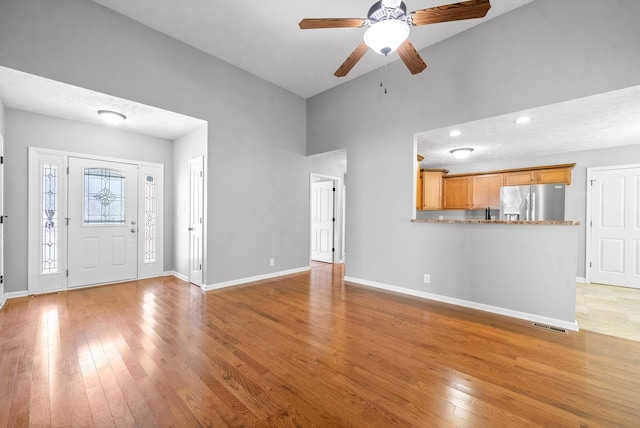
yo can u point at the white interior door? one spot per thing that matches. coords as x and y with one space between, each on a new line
615 229
103 229
322 221
196 214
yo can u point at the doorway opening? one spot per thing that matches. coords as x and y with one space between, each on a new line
606 302
327 214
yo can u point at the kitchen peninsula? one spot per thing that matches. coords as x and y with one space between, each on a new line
506 267
528 222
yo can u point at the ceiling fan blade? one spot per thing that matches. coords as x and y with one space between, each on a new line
312 23
351 60
451 12
411 57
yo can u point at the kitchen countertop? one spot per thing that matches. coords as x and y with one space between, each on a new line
543 222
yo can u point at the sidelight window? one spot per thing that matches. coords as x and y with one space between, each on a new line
150 219
49 262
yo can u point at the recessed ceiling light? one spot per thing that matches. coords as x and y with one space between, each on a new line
523 119
112 117
455 133
461 153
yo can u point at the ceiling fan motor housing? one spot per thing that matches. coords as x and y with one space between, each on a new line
378 12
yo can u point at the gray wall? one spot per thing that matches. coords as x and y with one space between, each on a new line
25 130
257 171
543 53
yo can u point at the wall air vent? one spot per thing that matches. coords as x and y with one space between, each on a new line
550 328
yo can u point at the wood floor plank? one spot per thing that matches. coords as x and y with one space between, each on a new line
301 350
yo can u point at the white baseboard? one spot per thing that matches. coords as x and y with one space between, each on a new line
240 281
468 304
176 274
13 295
581 280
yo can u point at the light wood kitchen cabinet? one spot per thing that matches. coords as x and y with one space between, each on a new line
432 188
519 178
486 190
553 175
479 190
539 175
457 192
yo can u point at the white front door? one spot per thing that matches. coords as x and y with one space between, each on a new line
103 215
322 221
196 214
615 230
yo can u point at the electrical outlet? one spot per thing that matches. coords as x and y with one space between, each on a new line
272 262
427 278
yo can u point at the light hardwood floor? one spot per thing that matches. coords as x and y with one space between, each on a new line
304 350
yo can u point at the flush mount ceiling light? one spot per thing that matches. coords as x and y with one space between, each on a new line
523 119
112 117
461 153
455 133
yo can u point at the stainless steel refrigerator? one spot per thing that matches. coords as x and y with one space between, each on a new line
532 203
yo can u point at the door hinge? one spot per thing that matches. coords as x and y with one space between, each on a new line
334 189
333 219
1 159
67 170
1 279
333 250
590 264
67 220
1 219
67 273
200 267
200 173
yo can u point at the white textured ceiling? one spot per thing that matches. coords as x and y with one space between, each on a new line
604 120
23 91
263 38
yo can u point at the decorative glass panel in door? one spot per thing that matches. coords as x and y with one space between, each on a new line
103 228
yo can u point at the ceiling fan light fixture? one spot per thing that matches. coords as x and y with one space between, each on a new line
386 36
455 133
522 119
112 117
461 153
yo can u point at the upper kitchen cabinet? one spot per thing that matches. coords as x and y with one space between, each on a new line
486 190
431 185
539 175
554 175
457 192
519 178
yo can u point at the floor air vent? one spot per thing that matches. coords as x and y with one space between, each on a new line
549 327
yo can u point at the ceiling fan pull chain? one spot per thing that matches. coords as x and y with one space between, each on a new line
385 74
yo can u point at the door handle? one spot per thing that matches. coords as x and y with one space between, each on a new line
190 229
134 230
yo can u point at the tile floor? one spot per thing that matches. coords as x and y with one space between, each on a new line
609 310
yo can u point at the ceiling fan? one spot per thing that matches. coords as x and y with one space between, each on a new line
388 28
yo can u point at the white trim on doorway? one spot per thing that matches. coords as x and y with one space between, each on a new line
38 282
588 238
338 209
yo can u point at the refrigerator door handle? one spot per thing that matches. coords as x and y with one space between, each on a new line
527 208
533 205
